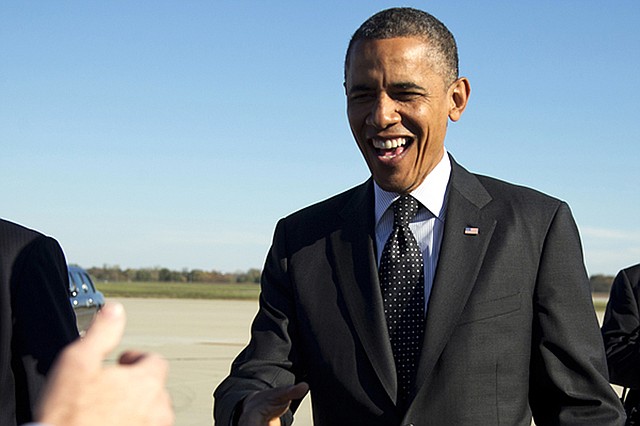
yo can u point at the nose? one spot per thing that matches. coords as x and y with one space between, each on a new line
384 113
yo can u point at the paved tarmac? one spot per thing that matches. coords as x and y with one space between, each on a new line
200 338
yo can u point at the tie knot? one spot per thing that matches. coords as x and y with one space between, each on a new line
404 209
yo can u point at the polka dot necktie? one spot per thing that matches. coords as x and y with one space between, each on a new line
402 279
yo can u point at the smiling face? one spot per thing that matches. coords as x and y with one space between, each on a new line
398 106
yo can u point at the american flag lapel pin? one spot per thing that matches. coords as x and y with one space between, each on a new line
470 230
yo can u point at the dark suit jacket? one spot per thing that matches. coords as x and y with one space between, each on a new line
510 326
621 328
621 333
36 318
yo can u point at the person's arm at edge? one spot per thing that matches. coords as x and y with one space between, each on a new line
269 354
39 278
620 331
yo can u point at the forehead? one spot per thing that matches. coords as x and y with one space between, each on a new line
405 58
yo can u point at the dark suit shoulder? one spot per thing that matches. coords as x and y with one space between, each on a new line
507 192
14 235
317 221
505 201
522 204
499 195
333 207
19 243
632 274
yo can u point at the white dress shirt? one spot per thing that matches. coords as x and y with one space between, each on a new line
427 226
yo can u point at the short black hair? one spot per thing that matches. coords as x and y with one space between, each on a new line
410 22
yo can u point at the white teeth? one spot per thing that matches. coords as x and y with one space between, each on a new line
389 143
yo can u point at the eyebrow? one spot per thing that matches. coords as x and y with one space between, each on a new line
399 85
407 85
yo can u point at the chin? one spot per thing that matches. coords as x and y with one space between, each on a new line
392 186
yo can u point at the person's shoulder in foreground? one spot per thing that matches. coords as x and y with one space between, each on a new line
34 301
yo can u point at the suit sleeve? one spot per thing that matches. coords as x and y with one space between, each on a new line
569 381
620 330
44 321
270 358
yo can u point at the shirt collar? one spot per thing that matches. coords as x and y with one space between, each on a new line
430 193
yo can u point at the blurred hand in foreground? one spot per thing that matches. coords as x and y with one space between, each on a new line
82 391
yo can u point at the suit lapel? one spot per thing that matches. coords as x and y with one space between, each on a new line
461 256
355 264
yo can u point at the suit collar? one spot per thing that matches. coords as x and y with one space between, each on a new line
461 256
468 185
431 193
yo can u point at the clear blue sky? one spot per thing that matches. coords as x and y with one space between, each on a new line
176 133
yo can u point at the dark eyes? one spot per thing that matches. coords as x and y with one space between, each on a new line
403 96
361 97
406 96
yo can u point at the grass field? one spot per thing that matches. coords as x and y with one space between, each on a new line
600 305
179 290
203 291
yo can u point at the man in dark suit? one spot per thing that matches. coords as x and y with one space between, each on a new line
621 333
507 328
36 318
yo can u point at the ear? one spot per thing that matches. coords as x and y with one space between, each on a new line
458 93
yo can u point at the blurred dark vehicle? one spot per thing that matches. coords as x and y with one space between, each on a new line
84 297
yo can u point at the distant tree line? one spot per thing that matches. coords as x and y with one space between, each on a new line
115 273
599 283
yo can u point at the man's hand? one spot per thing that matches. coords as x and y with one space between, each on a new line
264 408
81 391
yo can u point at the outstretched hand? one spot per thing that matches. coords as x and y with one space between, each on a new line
264 408
81 391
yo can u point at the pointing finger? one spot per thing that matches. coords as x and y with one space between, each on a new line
105 333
